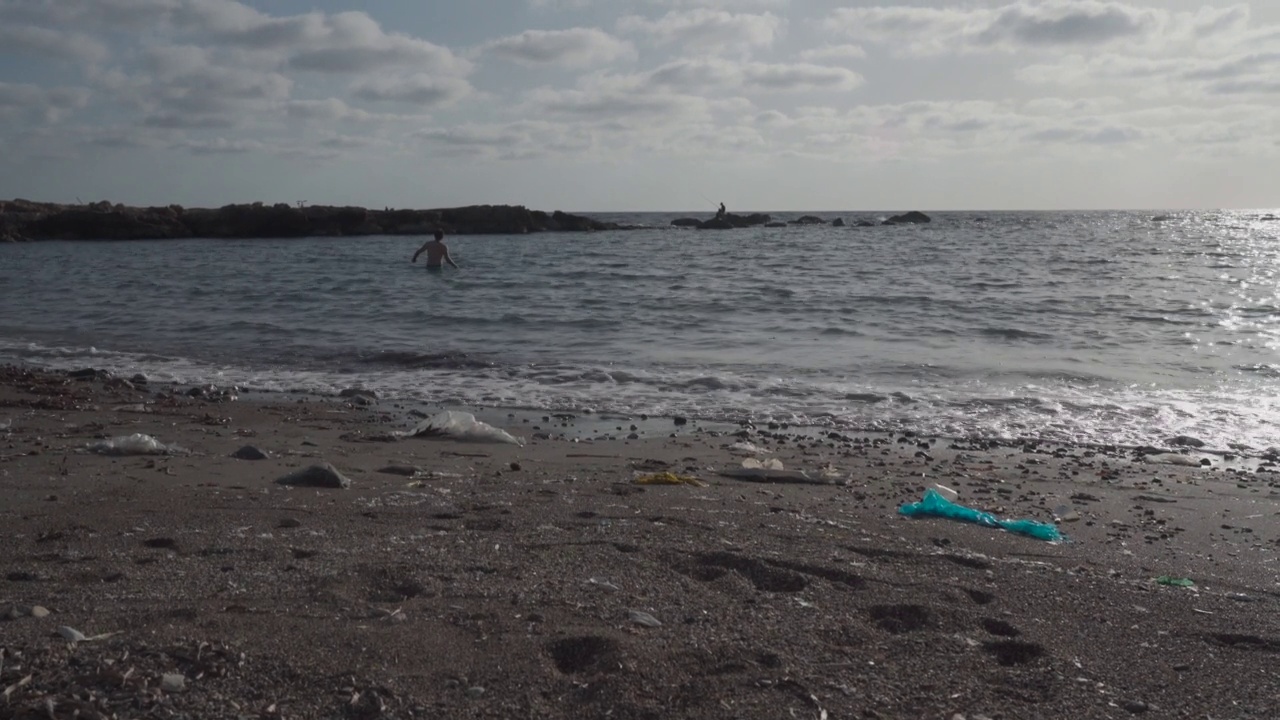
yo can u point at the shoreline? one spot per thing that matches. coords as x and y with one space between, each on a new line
543 581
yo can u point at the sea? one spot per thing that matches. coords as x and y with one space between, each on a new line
1124 328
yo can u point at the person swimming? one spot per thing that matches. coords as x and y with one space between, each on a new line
437 252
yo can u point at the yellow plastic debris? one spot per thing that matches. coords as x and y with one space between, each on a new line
666 478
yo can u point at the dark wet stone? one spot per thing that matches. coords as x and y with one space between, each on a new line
249 452
320 476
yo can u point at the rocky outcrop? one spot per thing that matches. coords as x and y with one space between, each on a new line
775 224
911 218
838 222
686 222
809 220
23 219
731 221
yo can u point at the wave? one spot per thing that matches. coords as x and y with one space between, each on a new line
1014 334
425 361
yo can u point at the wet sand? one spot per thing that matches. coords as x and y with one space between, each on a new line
542 581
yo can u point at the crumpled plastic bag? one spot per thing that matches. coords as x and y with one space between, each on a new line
934 504
462 426
135 444
770 464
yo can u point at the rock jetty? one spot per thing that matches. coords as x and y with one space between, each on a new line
729 221
26 220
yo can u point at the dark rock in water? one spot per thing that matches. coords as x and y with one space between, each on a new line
775 224
249 452
86 374
321 476
686 222
838 222
910 218
731 221
138 379
358 392
1161 218
105 221
865 223
809 220
1187 441
680 420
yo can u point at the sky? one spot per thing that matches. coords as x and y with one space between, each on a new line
606 105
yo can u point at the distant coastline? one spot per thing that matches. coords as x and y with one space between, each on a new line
25 220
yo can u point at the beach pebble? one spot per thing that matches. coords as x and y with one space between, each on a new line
249 452
405 470
358 393
1134 706
323 475
640 617
1186 441
39 611
173 682
475 692
71 634
13 613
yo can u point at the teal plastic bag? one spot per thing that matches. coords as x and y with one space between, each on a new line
934 505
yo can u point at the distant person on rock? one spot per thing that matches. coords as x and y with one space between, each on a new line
721 212
437 252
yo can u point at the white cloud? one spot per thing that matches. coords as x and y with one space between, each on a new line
709 30
575 47
418 89
834 52
50 104
1025 25
39 41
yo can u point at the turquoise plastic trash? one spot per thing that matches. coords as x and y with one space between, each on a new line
933 504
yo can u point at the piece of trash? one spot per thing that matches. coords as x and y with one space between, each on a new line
668 478
745 448
946 492
1172 459
136 444
640 617
769 475
1175 582
770 464
461 426
935 505
71 634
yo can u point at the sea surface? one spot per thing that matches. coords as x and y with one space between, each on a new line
1099 327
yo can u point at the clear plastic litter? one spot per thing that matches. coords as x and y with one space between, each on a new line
769 464
668 478
935 505
135 444
463 427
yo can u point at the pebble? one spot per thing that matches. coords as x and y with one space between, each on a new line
71 633
39 611
475 692
640 617
173 682
1134 706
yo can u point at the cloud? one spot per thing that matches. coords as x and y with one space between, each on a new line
38 41
708 30
353 42
50 104
575 47
418 89
1025 25
707 74
220 146
326 109
834 52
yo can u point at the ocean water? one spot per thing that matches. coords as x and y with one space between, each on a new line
1101 327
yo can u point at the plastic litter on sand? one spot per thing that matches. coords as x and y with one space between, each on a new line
136 444
935 505
461 426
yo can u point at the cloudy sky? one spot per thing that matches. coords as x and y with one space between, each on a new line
645 104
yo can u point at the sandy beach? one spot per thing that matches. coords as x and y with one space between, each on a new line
457 579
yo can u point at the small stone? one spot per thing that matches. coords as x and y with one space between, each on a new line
678 420
1071 516
71 633
640 617
515 466
286 523
249 452
1134 706
404 470
475 692
320 476
173 682
39 612
13 613
957 716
